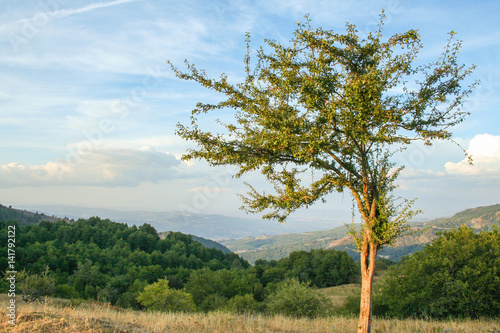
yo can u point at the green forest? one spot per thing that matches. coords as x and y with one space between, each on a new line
132 267
111 262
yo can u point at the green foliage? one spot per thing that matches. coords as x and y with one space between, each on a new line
320 268
244 304
276 247
108 261
324 104
23 217
114 263
212 289
159 297
297 299
33 286
457 275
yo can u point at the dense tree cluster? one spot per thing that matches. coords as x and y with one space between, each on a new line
457 275
133 267
109 261
321 268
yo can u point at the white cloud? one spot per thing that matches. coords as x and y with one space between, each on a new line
108 167
485 152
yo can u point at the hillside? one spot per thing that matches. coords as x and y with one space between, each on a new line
106 261
24 217
206 242
420 233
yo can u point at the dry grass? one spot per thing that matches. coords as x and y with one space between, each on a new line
339 294
89 317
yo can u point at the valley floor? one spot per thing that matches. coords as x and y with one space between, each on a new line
55 315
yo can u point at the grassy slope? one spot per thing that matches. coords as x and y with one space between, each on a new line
61 316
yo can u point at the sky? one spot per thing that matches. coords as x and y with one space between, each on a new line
89 105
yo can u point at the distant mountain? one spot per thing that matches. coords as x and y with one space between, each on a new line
210 226
24 217
420 233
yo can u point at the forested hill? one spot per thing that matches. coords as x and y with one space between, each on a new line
24 217
206 242
114 263
420 233
101 259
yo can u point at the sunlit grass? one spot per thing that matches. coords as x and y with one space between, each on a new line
56 315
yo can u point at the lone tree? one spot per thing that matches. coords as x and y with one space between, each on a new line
339 106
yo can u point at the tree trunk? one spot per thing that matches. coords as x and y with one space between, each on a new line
368 258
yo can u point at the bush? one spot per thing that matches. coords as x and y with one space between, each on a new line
34 286
244 304
295 299
159 297
457 275
65 291
351 305
213 302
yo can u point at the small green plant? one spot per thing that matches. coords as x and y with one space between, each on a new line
244 304
295 299
35 286
159 297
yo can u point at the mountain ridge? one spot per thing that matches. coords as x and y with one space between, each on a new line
209 226
420 233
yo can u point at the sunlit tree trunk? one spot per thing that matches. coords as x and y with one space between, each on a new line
368 252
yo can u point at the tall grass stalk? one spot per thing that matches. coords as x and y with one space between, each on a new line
55 315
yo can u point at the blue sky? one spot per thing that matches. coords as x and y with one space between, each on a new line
88 105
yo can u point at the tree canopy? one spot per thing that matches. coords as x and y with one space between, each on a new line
334 105
457 275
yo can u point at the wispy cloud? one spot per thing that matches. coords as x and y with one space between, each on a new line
97 5
61 13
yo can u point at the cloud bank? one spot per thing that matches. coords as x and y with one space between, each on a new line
107 167
485 152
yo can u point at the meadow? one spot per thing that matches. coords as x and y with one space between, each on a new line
60 315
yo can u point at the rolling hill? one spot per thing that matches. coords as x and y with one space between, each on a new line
419 234
24 217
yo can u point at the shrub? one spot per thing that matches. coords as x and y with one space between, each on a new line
351 305
457 275
295 299
34 286
244 304
159 297
213 302
65 291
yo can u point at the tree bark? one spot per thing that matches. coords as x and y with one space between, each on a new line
368 258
